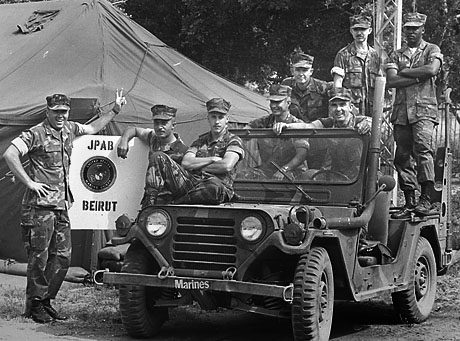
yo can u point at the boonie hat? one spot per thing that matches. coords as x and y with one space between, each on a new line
363 21
163 112
218 105
341 93
279 92
58 102
414 19
300 59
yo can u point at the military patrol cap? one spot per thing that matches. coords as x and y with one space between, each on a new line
414 19
58 102
300 59
363 21
163 112
279 92
218 105
341 93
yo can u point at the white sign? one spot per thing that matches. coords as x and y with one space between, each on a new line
105 186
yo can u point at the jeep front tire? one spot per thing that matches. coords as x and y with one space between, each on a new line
313 300
139 315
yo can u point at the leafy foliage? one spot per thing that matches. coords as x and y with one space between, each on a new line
249 41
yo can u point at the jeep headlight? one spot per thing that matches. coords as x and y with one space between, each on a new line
251 228
158 223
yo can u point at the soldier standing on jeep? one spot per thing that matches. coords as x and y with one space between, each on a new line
412 71
208 167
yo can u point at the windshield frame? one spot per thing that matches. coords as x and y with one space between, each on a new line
320 191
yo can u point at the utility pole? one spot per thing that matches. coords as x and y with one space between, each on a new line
388 27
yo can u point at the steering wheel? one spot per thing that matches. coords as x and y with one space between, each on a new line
331 173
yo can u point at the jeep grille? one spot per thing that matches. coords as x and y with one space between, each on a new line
204 244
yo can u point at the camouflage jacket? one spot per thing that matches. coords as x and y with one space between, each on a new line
204 146
281 151
359 75
417 101
343 156
49 152
311 103
175 151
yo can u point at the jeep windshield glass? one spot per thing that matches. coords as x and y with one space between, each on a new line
331 157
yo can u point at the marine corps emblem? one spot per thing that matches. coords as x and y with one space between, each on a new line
98 174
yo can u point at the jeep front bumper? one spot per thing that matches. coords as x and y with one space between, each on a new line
190 283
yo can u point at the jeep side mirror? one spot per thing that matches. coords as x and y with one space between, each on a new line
386 183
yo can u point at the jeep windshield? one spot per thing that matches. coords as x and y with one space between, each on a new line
330 166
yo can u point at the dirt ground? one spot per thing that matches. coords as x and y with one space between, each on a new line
370 320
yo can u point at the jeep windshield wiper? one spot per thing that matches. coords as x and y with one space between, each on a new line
282 171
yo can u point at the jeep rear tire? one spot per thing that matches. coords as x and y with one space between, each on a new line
313 300
139 315
415 303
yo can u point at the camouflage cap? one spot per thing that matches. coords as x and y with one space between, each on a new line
163 112
340 93
58 102
363 21
218 105
279 92
414 19
300 59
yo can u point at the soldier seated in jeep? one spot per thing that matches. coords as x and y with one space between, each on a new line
288 154
339 157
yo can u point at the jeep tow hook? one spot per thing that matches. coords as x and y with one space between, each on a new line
288 293
98 276
165 272
229 273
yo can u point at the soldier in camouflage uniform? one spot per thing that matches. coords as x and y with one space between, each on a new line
288 154
343 158
161 138
357 66
208 167
44 216
412 71
309 98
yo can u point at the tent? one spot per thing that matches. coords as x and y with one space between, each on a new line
87 49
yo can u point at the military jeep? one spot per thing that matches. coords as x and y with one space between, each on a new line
287 248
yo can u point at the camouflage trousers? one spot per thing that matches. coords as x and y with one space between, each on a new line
414 153
168 182
46 237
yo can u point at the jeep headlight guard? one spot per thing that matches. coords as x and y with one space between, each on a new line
251 228
158 223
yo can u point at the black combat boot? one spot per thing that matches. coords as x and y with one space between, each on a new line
424 204
408 208
38 312
52 312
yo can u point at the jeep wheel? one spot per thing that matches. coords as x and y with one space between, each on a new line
313 300
139 315
415 303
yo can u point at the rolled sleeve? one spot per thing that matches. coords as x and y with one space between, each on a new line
192 150
437 55
338 70
20 145
301 143
235 145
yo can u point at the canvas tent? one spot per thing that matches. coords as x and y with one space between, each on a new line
87 49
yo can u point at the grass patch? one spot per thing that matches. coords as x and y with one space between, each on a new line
11 302
92 310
